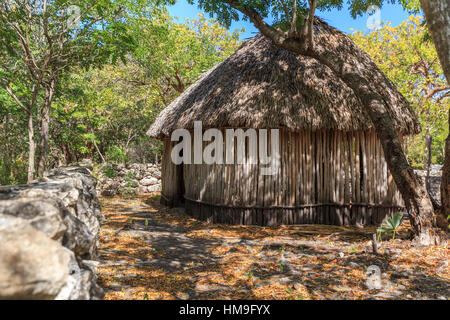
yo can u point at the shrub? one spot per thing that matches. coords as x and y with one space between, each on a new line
116 154
109 171
391 223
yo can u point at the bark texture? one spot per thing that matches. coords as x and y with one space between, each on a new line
31 148
445 185
437 14
45 127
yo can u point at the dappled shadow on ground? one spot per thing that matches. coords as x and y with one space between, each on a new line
151 252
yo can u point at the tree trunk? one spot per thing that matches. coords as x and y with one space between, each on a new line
7 156
428 142
29 112
45 121
67 154
437 14
31 148
445 184
417 200
45 127
97 148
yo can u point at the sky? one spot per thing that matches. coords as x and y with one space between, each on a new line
340 19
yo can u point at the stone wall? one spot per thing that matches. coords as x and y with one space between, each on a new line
49 231
435 182
134 178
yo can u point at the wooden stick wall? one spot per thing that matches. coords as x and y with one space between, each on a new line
327 177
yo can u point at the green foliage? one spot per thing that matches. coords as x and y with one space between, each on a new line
13 172
130 184
116 154
281 11
128 191
171 56
40 46
120 73
412 6
390 224
108 171
13 149
113 107
353 250
129 176
413 66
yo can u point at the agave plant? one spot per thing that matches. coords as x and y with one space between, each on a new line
391 223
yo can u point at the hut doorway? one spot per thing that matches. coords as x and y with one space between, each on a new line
181 187
173 187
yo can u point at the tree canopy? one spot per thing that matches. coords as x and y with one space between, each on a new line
102 106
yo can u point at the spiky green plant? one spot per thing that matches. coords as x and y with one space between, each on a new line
390 224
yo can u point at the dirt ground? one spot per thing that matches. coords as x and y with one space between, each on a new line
148 251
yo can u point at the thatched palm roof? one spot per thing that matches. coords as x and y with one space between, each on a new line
262 86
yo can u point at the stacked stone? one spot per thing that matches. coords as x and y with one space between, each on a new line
128 178
49 232
435 181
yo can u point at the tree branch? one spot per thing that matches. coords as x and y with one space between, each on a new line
276 36
435 90
16 99
286 10
308 29
294 18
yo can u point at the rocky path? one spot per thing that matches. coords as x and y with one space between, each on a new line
150 252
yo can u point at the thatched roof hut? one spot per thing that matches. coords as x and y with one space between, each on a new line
332 165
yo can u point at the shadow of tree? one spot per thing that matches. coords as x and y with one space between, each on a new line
163 258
